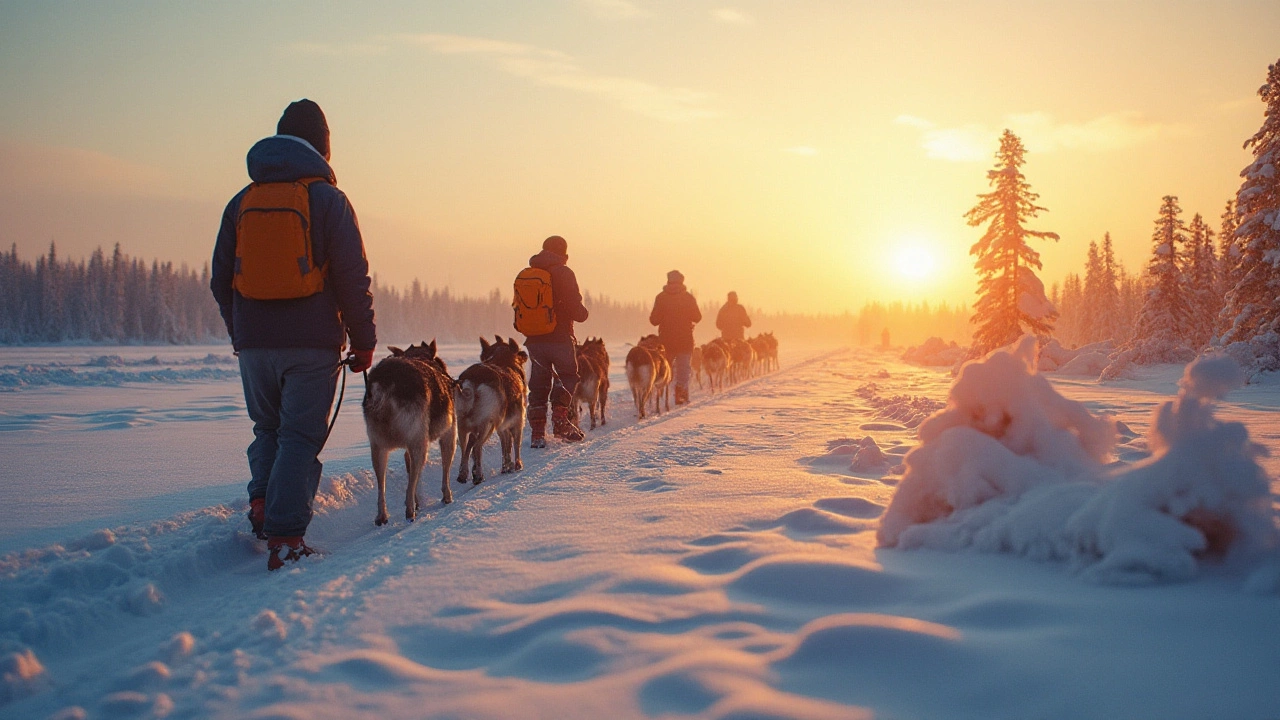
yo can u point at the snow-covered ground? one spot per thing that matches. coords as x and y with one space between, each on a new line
719 561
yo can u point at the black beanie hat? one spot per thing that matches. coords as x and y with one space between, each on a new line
556 244
304 119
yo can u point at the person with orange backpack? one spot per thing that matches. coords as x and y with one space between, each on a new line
547 303
292 283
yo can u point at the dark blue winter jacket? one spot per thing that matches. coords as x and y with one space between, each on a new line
324 320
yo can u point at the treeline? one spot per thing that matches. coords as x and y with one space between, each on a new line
912 323
116 299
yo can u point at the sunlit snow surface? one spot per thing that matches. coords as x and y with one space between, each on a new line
716 562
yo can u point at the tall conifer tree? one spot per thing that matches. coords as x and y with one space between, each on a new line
1200 279
1251 304
1011 298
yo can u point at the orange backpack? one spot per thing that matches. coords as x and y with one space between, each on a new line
273 243
534 309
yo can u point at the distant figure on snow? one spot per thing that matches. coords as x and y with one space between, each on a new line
675 312
547 324
732 320
292 284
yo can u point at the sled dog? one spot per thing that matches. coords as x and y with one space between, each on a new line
491 397
593 378
408 403
716 362
661 371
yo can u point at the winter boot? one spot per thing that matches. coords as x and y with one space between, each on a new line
281 550
562 425
258 516
537 428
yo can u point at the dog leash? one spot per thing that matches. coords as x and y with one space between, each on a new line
342 391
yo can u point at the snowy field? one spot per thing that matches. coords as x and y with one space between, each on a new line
720 561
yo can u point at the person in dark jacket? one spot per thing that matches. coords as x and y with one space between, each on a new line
675 312
732 319
553 355
291 350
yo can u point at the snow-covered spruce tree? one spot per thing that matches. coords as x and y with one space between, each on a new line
1011 300
1199 274
1253 337
1160 334
1109 309
1228 253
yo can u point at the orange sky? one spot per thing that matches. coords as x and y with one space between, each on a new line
794 152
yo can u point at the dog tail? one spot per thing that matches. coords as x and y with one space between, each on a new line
465 397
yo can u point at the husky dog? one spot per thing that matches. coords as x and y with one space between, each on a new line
408 403
744 360
593 378
717 362
640 374
491 397
695 364
661 370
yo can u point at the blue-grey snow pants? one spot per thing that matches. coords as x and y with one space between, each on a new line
289 392
553 363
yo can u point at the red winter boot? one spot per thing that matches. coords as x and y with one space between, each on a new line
538 427
281 550
563 426
258 516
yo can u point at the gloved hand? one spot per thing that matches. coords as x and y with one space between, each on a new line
360 360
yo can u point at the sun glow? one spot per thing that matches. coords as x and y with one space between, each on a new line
914 260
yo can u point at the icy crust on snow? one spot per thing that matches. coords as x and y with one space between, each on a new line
115 370
1012 466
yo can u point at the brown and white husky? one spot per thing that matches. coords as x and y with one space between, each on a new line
661 371
593 378
408 403
491 397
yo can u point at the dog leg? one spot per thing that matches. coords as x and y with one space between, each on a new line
379 456
517 432
414 459
477 465
464 474
448 444
504 439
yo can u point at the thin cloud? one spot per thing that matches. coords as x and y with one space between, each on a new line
344 50
59 168
731 16
1040 133
556 69
613 9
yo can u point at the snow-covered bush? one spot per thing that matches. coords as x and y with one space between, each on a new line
1012 466
934 352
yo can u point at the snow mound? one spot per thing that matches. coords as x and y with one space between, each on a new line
906 410
935 353
1012 466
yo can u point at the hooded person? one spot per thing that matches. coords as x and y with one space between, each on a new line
290 314
553 354
675 312
732 319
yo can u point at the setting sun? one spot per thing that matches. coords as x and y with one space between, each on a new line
912 260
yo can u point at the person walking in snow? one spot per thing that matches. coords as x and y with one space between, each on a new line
675 312
553 352
292 283
732 319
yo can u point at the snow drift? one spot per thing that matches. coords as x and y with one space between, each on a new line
1010 465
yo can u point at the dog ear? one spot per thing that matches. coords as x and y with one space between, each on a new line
484 344
497 339
395 351
515 346
432 346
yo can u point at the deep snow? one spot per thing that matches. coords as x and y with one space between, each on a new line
716 562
